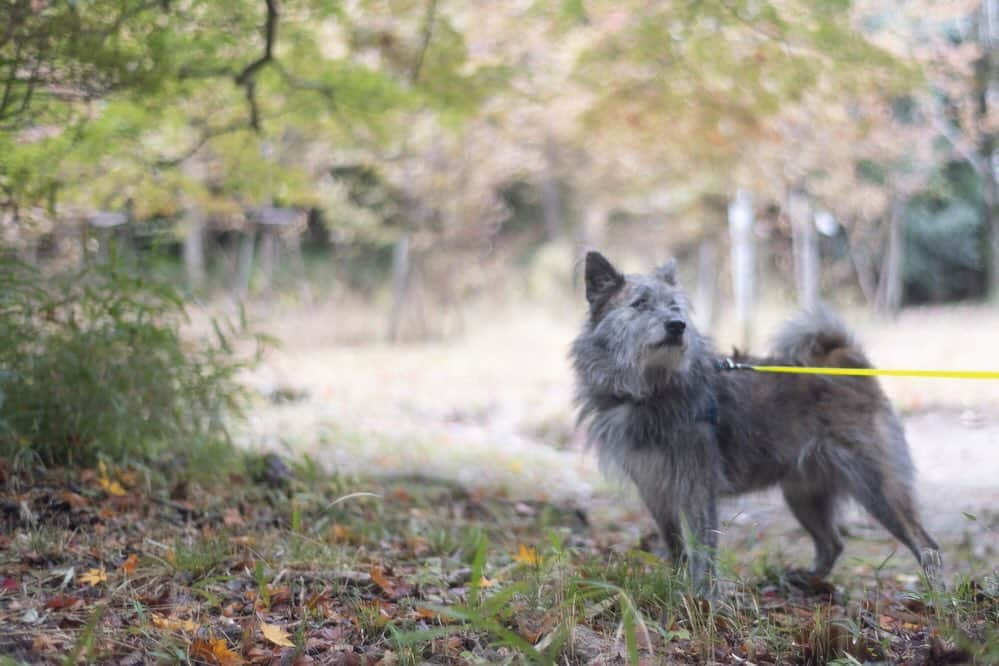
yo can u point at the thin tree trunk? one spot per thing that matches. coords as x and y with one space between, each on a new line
805 243
889 300
244 264
295 250
85 245
400 284
988 92
707 281
194 248
740 226
551 197
863 266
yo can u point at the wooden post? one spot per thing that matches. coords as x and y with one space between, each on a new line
400 284
706 289
805 243
740 226
244 264
194 247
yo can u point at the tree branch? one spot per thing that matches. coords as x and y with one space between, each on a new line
947 132
206 136
270 36
247 78
428 31
13 19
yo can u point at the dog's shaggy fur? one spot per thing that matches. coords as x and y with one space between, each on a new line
662 411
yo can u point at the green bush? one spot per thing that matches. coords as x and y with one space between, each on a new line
94 363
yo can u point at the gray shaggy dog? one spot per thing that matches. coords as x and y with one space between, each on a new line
662 411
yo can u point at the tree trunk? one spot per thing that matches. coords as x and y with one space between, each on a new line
244 264
740 226
400 284
551 196
707 282
294 247
889 296
805 243
194 248
863 266
990 243
988 91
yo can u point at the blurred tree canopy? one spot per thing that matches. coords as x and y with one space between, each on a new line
181 110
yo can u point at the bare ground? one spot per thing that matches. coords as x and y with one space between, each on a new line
493 409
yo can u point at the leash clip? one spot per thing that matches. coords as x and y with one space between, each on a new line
729 364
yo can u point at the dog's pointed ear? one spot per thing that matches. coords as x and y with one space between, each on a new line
667 272
602 279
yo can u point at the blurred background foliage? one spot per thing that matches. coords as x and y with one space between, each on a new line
417 154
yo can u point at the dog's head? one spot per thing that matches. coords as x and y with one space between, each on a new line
638 333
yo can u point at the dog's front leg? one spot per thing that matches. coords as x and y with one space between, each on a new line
700 520
670 527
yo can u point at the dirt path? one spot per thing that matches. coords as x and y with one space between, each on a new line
494 409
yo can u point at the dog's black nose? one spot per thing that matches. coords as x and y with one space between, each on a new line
675 327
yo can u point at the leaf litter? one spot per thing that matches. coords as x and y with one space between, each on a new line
422 571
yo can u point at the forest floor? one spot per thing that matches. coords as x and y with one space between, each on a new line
435 505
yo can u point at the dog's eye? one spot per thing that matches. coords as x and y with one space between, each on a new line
640 302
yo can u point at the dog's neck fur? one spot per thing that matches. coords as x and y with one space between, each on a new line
674 397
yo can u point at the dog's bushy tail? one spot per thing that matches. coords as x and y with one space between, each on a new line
819 338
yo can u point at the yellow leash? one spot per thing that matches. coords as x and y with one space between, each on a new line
728 364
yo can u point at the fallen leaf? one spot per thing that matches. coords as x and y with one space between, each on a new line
45 643
104 481
275 634
130 564
74 500
111 487
214 651
233 517
527 555
174 624
279 595
343 533
8 584
381 581
426 613
316 599
94 577
62 601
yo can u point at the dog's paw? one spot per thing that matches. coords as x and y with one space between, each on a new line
808 582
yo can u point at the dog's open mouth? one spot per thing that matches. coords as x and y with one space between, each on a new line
670 341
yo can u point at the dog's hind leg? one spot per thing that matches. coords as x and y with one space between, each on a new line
888 498
895 510
814 505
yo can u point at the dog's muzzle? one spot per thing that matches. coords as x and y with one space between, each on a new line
674 331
